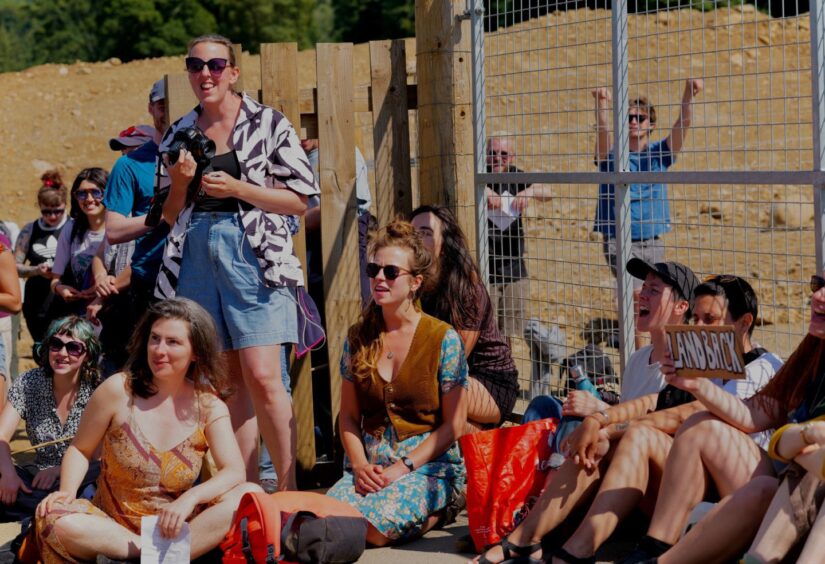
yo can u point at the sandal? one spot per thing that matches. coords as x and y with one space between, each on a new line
562 554
514 554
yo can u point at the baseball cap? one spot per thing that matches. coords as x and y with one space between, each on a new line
133 136
158 91
675 274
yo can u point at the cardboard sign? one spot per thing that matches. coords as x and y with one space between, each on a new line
704 351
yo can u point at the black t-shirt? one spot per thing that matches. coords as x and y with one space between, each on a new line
507 246
228 163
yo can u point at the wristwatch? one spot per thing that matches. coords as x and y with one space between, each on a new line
408 463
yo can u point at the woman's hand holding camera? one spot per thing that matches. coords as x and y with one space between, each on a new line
182 171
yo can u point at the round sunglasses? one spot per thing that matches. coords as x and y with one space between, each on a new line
391 272
74 349
94 193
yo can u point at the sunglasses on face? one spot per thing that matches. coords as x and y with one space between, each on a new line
817 283
73 348
641 118
215 66
503 154
53 211
94 193
391 272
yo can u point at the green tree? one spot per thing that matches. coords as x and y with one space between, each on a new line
365 20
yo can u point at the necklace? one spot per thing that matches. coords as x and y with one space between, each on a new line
390 355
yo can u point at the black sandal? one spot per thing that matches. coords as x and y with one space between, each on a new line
570 559
514 554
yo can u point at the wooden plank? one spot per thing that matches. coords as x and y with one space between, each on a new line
391 132
445 133
238 49
179 96
339 234
279 89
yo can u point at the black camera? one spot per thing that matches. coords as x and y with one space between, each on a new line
202 149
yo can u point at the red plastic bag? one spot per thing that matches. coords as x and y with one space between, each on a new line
506 471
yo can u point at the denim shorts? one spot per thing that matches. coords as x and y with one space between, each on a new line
220 272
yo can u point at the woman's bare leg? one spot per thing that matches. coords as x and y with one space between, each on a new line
482 408
85 536
705 447
261 367
242 414
635 472
211 525
815 545
725 531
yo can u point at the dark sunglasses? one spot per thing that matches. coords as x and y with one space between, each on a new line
641 118
94 193
391 272
817 283
54 211
498 154
75 349
215 66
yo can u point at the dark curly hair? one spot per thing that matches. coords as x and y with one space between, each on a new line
77 328
207 372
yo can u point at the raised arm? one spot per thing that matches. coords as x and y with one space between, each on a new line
122 229
677 136
604 133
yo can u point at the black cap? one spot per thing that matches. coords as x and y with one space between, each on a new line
675 274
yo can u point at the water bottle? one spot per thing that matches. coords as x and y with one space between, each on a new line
581 381
569 423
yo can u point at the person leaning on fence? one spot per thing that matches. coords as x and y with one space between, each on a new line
714 453
403 399
50 399
79 241
154 422
649 204
509 282
632 479
230 247
666 298
454 292
34 251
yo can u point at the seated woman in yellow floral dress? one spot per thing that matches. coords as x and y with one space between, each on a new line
155 422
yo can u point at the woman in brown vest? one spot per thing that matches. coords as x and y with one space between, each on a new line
403 399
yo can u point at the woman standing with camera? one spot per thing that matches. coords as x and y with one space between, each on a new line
230 247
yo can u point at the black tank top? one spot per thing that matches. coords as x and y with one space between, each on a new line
228 163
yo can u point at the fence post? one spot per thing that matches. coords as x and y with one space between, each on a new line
391 129
627 329
476 10
818 121
339 211
279 89
445 134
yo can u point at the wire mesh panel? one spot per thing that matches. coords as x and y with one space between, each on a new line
706 116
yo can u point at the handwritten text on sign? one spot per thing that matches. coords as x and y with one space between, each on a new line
706 351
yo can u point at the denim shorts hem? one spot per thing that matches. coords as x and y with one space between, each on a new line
261 339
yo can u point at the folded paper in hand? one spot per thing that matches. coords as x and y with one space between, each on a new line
157 549
506 215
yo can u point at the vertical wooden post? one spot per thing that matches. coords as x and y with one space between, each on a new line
391 129
238 48
339 231
179 96
445 128
279 89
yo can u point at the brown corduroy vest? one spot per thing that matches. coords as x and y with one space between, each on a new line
411 402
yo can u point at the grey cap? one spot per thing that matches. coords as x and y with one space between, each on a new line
158 91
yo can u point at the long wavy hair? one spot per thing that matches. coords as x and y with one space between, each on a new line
77 328
454 296
207 372
790 386
365 336
96 176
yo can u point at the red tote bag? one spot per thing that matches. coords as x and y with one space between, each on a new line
506 471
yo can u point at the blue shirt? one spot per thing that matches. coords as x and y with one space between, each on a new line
129 192
649 206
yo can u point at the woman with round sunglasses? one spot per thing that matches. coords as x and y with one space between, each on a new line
79 241
454 292
50 399
713 449
403 398
35 250
153 425
230 246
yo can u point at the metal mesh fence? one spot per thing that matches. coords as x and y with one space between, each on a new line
737 198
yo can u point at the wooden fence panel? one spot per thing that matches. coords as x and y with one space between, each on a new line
391 131
279 89
339 223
